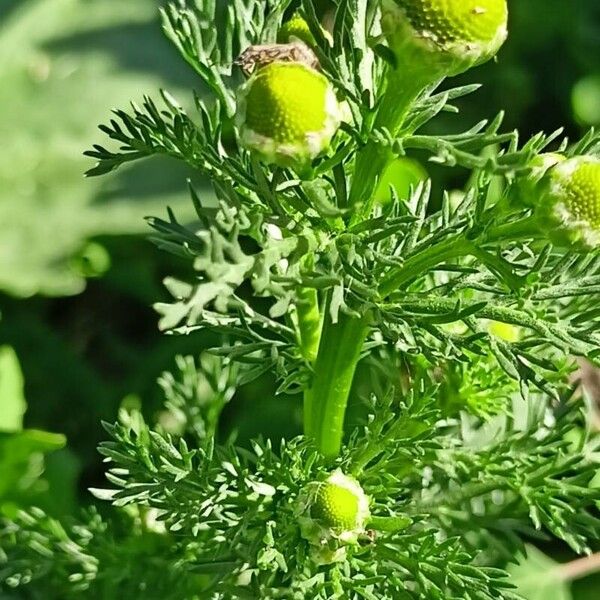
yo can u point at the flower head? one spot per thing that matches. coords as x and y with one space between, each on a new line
333 514
449 36
288 113
296 29
568 204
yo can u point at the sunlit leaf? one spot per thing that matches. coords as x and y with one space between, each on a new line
12 399
538 577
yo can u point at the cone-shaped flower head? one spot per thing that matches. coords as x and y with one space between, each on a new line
288 113
296 29
568 205
449 36
333 513
340 504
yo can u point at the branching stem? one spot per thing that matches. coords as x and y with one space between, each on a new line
421 262
452 248
341 343
403 87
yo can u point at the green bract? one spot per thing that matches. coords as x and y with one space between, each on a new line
288 113
526 189
447 36
568 206
333 513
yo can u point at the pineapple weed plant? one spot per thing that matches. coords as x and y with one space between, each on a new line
465 313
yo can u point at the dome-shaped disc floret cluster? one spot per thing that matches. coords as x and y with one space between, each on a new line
288 113
568 204
449 36
332 515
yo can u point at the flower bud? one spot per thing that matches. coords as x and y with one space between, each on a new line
568 205
446 36
296 30
333 514
340 504
288 113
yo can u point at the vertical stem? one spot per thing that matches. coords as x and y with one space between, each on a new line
309 323
340 344
326 401
403 87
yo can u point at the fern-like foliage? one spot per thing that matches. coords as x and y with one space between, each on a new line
464 316
225 519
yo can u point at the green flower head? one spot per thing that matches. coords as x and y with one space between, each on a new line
296 30
568 204
448 36
288 113
333 514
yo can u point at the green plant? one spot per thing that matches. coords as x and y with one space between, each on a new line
440 476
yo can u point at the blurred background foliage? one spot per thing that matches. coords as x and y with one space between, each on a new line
77 274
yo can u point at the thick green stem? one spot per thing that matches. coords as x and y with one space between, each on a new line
309 324
422 262
516 230
325 403
403 87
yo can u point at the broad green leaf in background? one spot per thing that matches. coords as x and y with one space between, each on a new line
26 472
22 466
12 400
64 63
538 577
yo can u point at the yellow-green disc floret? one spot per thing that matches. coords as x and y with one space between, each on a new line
288 114
452 21
568 205
451 35
333 514
336 506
